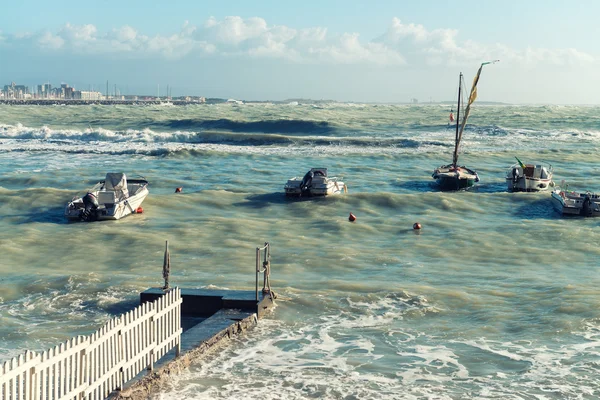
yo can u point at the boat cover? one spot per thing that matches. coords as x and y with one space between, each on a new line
116 181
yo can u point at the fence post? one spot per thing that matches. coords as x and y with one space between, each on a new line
152 338
82 367
178 321
121 345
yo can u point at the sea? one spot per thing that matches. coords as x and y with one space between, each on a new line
496 297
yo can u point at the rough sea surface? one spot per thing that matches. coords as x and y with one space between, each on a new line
497 297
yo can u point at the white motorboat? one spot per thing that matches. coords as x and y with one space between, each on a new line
586 204
529 177
113 198
314 183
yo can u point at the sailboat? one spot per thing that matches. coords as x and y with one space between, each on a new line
453 176
166 103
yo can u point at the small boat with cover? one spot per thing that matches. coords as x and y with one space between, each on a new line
529 177
454 176
113 198
314 183
585 204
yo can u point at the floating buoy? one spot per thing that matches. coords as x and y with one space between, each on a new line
352 217
416 225
179 189
139 210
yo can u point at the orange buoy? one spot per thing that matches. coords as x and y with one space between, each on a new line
179 189
352 217
416 225
139 210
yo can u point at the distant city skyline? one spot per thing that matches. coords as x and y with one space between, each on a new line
106 89
64 91
383 51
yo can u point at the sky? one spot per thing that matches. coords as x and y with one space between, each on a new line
388 51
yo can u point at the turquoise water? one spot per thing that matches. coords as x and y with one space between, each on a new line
496 297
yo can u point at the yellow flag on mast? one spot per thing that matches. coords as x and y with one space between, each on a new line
472 97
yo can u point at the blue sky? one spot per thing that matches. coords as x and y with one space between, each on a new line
372 51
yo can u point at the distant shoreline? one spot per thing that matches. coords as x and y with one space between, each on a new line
181 102
175 102
51 102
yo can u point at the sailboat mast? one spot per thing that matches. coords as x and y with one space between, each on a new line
456 138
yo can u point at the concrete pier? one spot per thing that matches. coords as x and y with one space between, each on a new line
206 302
210 318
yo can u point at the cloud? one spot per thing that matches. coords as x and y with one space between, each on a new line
441 46
254 37
233 31
49 41
401 44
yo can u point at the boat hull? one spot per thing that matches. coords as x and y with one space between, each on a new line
326 188
448 178
529 185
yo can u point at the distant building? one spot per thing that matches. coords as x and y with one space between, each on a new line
56 93
43 90
14 91
86 95
69 92
9 88
66 92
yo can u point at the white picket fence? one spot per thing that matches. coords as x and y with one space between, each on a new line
91 367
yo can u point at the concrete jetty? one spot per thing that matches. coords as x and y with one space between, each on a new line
210 318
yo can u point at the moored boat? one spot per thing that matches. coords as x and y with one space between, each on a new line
453 176
529 177
113 198
585 204
314 183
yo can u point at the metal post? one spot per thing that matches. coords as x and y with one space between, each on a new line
265 266
257 270
267 269
166 266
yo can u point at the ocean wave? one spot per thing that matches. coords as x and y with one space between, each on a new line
35 319
95 136
156 143
285 126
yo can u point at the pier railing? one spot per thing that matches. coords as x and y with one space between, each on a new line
91 367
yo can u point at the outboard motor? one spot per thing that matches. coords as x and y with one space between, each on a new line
90 204
586 209
306 181
515 175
